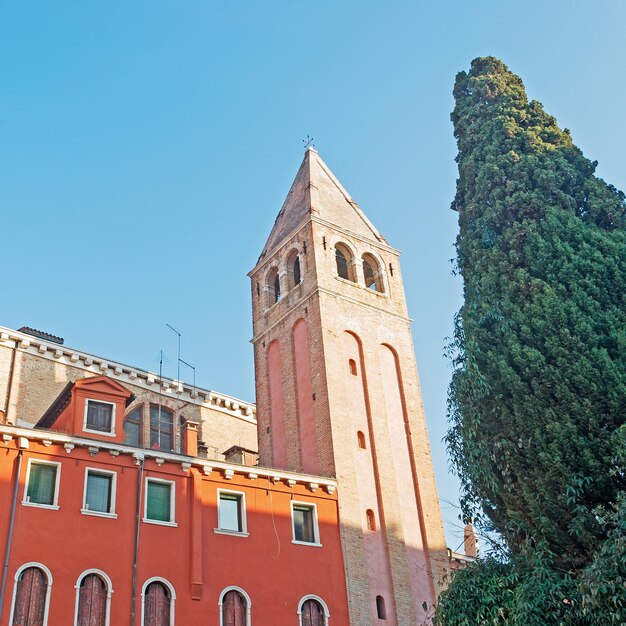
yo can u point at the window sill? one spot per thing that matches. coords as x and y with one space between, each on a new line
98 513
380 294
53 507
307 543
145 520
99 432
232 533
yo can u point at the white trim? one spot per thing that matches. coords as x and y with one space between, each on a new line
55 501
113 494
35 434
48 574
317 599
109 586
89 363
110 433
244 594
316 529
168 584
172 520
242 511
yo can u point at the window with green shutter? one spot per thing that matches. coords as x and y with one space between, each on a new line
99 492
42 482
159 501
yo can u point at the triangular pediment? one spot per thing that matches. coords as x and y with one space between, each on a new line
316 191
102 384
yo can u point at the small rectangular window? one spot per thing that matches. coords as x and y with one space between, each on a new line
42 483
231 512
100 417
159 501
304 518
99 492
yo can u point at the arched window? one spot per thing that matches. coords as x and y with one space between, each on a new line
133 427
371 519
372 274
313 611
273 286
158 604
361 439
294 269
234 607
92 606
31 596
343 258
380 607
162 436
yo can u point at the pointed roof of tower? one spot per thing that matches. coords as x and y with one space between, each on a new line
316 192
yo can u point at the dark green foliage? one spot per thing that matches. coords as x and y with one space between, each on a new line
492 593
539 387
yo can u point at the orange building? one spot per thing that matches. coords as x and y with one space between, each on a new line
102 533
131 499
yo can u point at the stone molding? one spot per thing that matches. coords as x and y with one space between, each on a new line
125 373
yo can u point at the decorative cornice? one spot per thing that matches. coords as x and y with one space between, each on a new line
125 373
70 443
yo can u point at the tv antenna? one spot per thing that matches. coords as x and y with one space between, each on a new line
178 360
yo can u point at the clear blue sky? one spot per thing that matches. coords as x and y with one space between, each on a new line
146 148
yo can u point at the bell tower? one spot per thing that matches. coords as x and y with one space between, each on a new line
338 393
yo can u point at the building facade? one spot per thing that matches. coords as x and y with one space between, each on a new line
130 498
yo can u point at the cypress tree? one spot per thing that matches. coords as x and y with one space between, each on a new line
538 393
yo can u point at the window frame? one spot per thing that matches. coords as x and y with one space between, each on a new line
175 418
311 596
242 513
113 495
109 586
111 433
316 529
172 484
57 483
244 594
165 583
141 423
48 575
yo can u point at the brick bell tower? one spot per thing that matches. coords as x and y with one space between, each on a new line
338 393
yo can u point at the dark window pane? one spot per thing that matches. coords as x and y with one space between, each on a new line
230 517
98 496
161 429
296 271
41 483
276 288
303 523
99 416
158 501
342 264
370 276
133 427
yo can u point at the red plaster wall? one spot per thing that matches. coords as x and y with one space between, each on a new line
274 572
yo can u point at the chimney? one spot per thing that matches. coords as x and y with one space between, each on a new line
241 456
190 438
469 541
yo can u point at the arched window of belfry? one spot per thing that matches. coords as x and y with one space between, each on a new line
372 274
294 269
345 264
273 286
